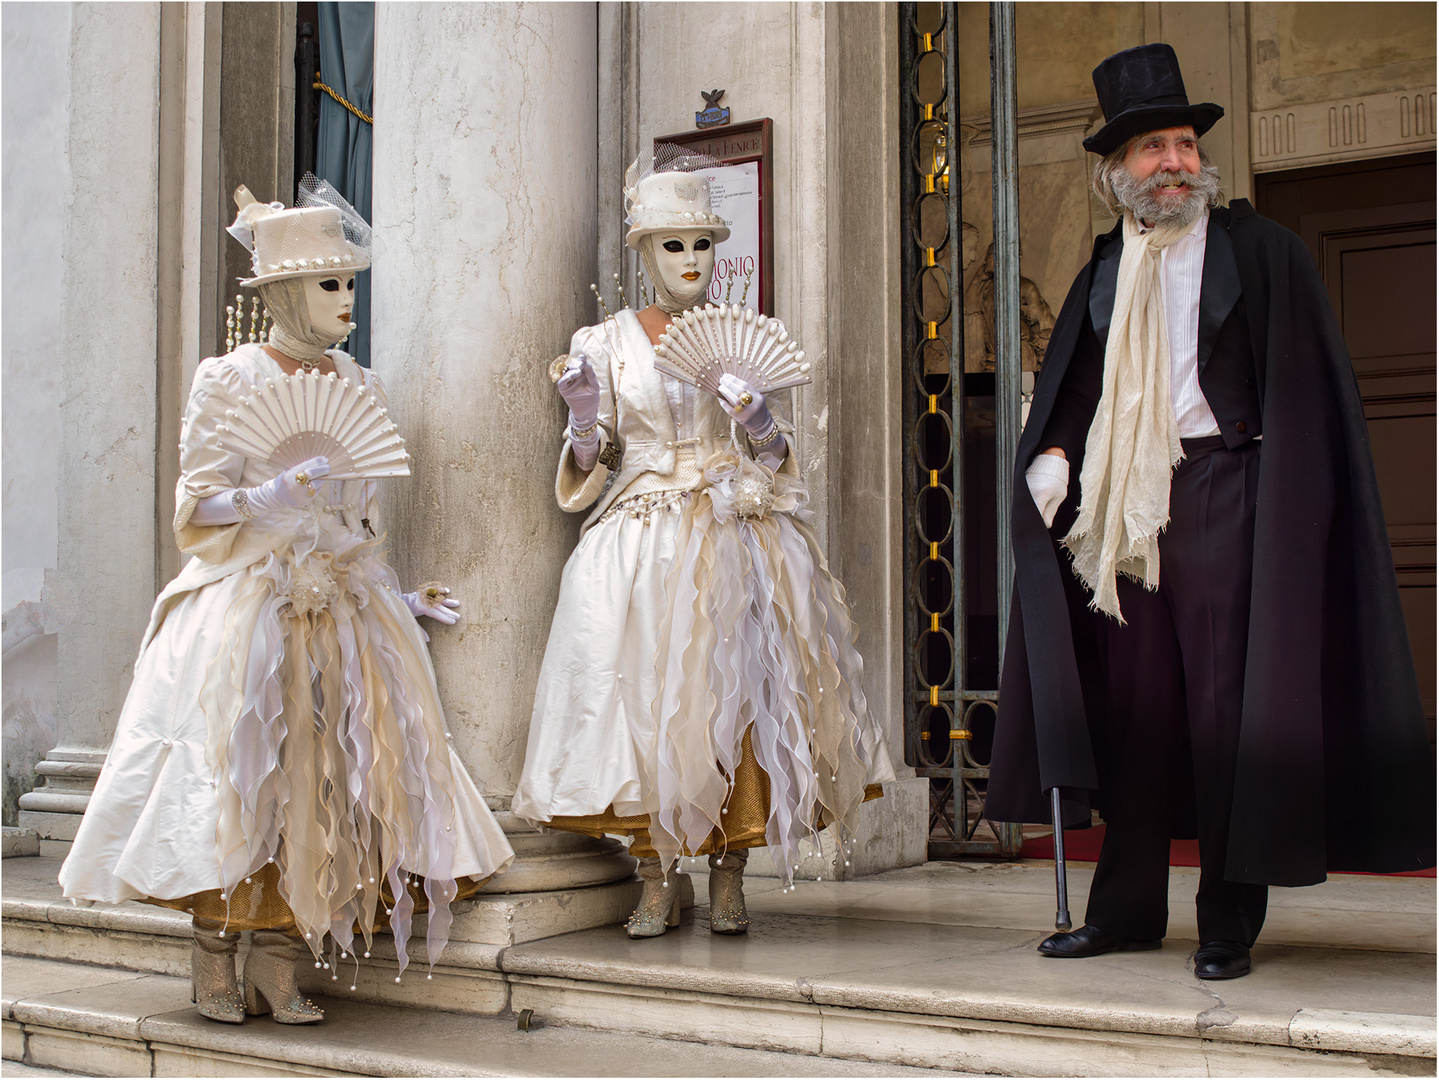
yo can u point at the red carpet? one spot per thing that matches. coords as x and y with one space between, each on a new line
1082 845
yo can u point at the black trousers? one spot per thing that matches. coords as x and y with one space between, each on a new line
1175 676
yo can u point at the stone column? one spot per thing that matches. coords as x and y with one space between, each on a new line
484 215
105 582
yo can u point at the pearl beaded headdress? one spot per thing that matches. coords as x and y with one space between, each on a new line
322 232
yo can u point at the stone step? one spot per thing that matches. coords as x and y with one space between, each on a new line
929 968
65 1017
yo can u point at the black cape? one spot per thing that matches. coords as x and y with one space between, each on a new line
1335 769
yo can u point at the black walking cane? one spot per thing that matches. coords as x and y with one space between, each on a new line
1061 881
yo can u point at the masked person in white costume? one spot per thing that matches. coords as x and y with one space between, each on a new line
282 763
700 691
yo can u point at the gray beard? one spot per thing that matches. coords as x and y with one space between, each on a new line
1137 196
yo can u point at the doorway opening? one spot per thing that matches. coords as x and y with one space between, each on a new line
1370 226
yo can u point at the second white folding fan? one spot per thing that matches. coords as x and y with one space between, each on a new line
701 345
292 418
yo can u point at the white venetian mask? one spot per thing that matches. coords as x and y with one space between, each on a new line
685 263
330 299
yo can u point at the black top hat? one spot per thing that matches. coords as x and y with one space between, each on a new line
1141 90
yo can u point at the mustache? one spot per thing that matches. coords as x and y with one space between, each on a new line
1164 179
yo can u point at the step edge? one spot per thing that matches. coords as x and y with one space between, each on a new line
1415 1040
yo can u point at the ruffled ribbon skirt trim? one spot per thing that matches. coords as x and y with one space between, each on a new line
332 764
755 651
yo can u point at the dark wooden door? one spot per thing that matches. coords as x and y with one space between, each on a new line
1371 229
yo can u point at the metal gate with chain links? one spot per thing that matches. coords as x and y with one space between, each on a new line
950 493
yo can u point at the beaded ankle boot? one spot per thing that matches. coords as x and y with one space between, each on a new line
213 988
727 910
270 983
659 906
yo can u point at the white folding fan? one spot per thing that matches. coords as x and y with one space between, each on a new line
701 345
292 418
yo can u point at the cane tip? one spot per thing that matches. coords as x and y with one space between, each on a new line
1063 925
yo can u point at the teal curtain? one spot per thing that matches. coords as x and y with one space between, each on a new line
343 149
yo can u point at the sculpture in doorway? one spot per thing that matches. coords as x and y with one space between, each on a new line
1036 320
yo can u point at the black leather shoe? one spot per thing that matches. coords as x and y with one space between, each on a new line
1091 941
1221 960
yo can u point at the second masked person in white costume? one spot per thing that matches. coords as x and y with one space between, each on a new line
700 691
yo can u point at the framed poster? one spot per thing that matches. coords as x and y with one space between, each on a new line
741 192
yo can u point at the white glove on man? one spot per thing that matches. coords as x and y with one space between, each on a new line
1048 480
284 492
581 391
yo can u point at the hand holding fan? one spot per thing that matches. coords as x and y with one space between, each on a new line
292 418
702 345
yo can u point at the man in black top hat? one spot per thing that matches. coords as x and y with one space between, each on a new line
1207 638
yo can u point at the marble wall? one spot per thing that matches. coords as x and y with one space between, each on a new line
107 482
34 44
1339 82
484 189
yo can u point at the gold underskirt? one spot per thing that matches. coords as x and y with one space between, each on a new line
256 903
745 815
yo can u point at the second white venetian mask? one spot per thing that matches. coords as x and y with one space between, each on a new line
685 263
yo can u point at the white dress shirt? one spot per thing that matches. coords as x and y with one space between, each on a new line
1181 268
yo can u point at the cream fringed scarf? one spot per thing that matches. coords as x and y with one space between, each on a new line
1133 442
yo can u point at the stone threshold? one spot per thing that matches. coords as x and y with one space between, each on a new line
833 972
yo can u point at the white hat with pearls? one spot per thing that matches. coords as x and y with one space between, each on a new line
327 236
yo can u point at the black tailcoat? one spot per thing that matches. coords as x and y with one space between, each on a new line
1335 770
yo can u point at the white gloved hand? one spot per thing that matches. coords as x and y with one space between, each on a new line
284 492
433 601
581 391
1048 480
746 405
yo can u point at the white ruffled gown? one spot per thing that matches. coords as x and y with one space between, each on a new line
696 608
283 724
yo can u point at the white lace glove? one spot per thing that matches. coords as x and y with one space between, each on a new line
284 492
581 391
1048 480
434 601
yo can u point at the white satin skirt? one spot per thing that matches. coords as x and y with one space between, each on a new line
680 624
251 735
